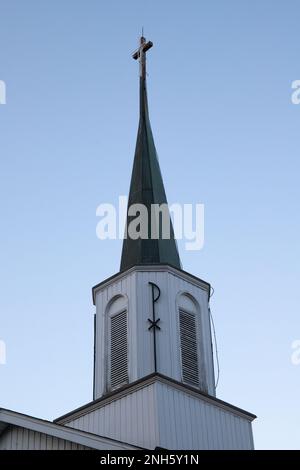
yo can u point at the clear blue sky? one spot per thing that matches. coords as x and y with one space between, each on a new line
227 135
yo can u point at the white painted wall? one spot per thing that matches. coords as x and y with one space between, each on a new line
134 287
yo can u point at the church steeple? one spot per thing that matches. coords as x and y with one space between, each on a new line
147 188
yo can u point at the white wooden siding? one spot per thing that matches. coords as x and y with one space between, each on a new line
132 418
18 438
185 422
165 415
41 432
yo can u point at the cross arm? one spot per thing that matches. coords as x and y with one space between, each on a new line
145 47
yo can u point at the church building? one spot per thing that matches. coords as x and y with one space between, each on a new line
154 380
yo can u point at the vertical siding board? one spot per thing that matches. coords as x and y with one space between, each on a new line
86 421
55 443
103 420
127 415
236 433
182 425
43 441
163 421
181 404
240 431
245 434
172 326
229 431
195 424
118 408
14 438
139 416
112 420
4 440
201 427
19 438
36 438
93 422
248 436
229 423
61 444
216 415
211 426
92 419
224 431
22 437
26 439
10 440
222 428
48 443
146 424
169 400
153 410
206 424
241 434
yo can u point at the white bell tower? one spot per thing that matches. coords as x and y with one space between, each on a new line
152 319
154 382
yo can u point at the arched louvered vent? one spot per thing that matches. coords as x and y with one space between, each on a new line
118 350
189 348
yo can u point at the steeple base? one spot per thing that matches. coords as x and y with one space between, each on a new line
159 412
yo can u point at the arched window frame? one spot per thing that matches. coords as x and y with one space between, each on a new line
196 312
116 306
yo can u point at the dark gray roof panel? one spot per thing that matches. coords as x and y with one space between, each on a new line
147 188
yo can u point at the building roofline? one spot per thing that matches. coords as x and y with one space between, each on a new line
145 381
60 431
150 267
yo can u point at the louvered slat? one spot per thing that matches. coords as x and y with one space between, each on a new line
118 350
189 350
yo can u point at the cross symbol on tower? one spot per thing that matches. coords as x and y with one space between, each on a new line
140 54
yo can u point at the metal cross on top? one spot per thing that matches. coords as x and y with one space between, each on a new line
141 55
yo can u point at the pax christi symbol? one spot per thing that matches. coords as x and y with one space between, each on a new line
154 322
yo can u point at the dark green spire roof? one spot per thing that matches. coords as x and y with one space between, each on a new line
147 188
